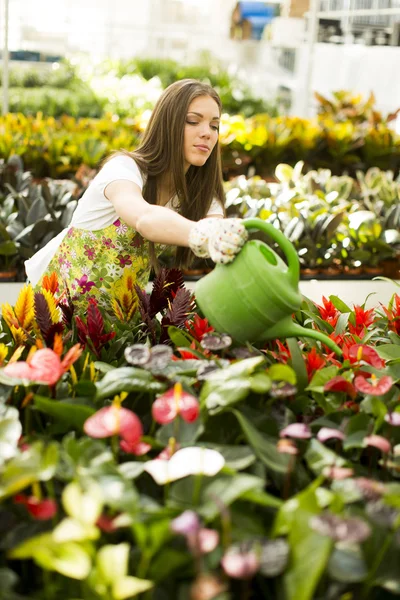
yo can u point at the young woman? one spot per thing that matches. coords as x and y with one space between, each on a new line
167 192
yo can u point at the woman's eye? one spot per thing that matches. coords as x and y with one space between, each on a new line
191 123
215 127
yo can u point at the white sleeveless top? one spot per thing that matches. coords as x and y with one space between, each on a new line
95 211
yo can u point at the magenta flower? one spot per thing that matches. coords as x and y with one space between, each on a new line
299 431
173 403
377 441
84 284
133 447
328 433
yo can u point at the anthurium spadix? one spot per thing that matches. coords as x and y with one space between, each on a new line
185 462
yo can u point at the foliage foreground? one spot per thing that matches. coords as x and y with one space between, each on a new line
144 455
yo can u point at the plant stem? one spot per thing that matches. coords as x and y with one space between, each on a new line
369 582
197 489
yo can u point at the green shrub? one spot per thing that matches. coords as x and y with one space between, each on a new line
55 102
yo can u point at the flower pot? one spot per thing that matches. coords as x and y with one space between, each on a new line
373 271
309 272
6 276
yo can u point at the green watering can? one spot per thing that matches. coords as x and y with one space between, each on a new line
253 298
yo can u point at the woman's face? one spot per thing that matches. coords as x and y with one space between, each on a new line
201 131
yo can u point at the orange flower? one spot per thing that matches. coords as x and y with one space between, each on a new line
50 283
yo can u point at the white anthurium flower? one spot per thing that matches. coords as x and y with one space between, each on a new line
187 461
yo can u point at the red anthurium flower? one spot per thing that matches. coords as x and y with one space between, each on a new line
173 403
114 420
314 361
377 441
364 318
106 523
42 510
198 328
358 352
393 314
133 447
328 312
376 387
340 384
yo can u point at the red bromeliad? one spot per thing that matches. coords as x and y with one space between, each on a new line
393 314
198 327
328 312
42 510
363 318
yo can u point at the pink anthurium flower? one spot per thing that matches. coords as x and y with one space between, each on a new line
377 387
393 418
207 540
42 510
340 384
114 420
173 403
377 441
328 433
45 366
240 564
334 472
358 352
299 431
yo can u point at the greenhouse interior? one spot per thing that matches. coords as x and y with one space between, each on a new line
199 300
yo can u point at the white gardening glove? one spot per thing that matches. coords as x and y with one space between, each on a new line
219 239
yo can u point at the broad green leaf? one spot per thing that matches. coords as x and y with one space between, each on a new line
389 351
128 587
339 304
260 383
280 372
226 489
261 498
73 415
166 561
84 504
179 337
219 395
320 378
298 364
263 446
126 379
185 433
319 456
72 530
112 562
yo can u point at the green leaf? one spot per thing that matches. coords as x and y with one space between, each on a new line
320 378
341 324
128 587
298 364
280 372
84 504
102 366
261 498
263 446
85 387
260 383
226 489
179 337
185 433
389 352
127 379
219 395
340 305
112 562
166 562
319 456
73 415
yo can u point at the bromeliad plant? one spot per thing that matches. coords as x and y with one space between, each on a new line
195 467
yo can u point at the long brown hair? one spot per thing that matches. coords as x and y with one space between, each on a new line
161 151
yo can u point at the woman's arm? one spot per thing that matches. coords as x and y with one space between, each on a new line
155 223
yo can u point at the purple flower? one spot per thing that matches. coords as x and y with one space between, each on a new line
124 260
84 284
328 433
89 252
299 431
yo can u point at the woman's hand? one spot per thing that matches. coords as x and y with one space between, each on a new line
219 239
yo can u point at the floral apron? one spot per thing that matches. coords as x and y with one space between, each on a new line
92 263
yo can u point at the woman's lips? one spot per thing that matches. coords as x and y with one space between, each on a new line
202 148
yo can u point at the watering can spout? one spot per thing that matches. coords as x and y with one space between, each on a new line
286 328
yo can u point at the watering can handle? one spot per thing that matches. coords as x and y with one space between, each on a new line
279 238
